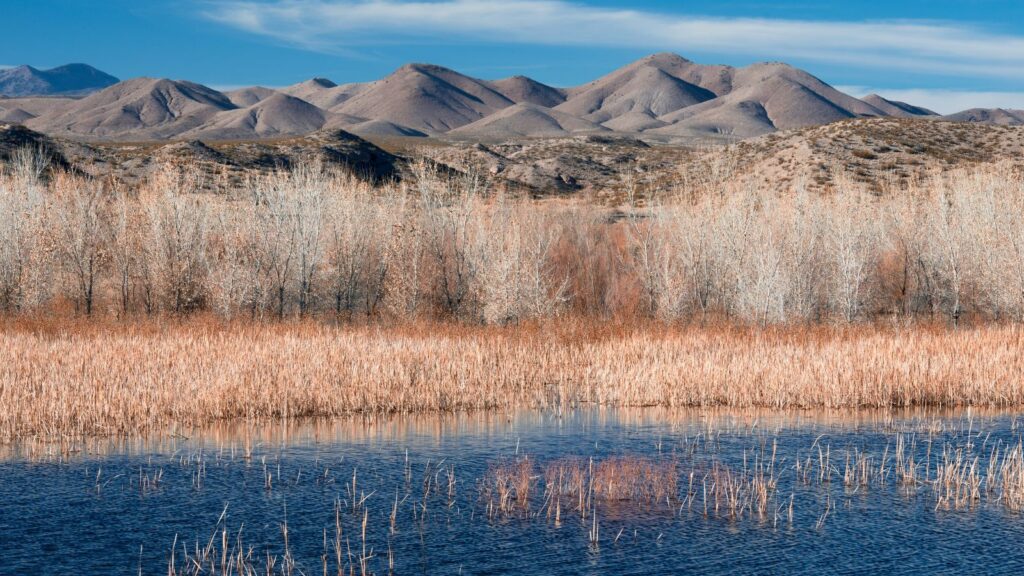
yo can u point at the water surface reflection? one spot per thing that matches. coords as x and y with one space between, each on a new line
423 487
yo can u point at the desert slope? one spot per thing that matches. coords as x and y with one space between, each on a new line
896 108
138 108
525 120
277 115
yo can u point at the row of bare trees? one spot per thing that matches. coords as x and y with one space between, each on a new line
948 246
303 242
316 242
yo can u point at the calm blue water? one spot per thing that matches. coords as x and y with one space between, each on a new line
119 508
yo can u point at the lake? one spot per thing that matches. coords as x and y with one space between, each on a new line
755 492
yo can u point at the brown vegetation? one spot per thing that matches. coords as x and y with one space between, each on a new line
314 243
721 295
65 380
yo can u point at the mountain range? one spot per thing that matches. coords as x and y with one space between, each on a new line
663 97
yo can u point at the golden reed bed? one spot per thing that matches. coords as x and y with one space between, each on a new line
66 379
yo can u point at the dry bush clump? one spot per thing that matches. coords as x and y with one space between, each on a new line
577 485
618 478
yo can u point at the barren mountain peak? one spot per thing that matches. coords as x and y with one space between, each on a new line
322 82
277 115
426 98
521 88
422 67
526 120
70 79
243 97
665 57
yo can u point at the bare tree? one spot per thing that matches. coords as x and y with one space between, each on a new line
514 279
946 252
353 231
229 284
80 221
309 199
1009 224
854 243
385 213
312 239
798 221
655 235
406 248
275 235
124 245
449 211
21 252
175 243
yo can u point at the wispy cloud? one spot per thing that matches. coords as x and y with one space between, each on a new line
923 46
943 101
7 66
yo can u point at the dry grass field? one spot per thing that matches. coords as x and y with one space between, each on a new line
69 379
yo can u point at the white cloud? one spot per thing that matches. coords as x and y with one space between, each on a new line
943 101
7 66
922 46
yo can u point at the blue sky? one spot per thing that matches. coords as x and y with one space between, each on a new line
942 53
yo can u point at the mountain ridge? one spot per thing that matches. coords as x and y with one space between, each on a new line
662 97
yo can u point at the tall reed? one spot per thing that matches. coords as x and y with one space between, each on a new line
65 380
